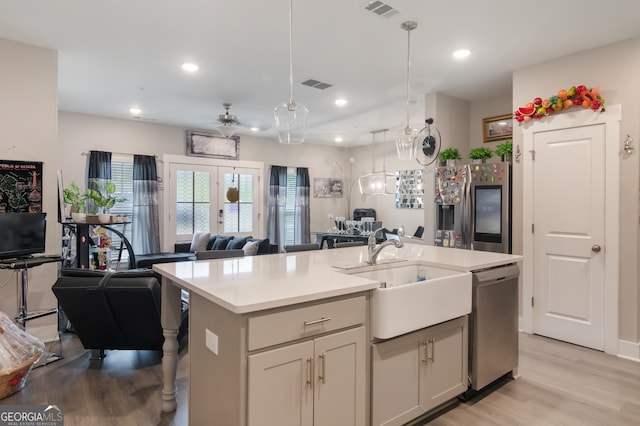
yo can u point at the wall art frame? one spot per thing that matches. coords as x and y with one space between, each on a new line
204 144
497 128
410 189
328 188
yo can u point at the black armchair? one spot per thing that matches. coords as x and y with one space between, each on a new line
119 310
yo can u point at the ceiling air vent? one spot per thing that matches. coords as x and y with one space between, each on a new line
380 8
316 84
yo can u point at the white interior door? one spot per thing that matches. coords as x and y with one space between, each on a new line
569 234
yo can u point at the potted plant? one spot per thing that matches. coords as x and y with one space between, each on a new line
103 198
449 156
76 199
504 150
480 154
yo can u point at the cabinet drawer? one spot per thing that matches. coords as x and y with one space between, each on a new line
280 327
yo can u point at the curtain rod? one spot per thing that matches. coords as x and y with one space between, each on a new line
123 153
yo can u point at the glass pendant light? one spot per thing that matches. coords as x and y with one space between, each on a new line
377 183
405 142
291 117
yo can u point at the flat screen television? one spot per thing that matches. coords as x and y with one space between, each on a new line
22 234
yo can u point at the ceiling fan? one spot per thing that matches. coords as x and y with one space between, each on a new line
228 122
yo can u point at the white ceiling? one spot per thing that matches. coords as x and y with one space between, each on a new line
119 53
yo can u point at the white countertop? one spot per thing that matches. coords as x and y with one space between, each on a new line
254 283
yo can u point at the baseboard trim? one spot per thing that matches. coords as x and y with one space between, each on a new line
629 350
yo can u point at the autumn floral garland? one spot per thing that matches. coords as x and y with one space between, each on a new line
565 99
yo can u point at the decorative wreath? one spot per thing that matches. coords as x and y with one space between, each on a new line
565 99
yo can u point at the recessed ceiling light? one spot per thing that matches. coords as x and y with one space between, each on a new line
341 102
135 111
339 139
255 129
189 67
462 53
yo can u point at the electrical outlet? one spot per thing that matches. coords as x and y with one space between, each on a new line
211 340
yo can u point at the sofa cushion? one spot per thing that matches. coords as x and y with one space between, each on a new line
237 243
199 241
251 248
264 245
221 242
212 241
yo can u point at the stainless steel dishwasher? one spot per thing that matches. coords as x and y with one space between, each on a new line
493 325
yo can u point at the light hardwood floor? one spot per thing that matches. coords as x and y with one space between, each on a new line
559 384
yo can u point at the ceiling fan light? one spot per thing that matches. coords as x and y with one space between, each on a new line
291 122
227 130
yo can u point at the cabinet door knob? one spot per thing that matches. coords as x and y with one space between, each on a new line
596 248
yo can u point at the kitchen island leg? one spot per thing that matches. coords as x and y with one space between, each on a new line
170 320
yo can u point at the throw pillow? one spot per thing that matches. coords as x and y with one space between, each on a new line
199 241
250 248
212 241
237 243
264 245
221 242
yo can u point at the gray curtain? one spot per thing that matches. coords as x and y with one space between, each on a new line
302 221
276 206
145 224
99 174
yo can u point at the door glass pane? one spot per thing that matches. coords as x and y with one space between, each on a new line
192 201
201 187
238 216
184 218
201 217
184 186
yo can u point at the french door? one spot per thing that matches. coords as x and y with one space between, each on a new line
215 199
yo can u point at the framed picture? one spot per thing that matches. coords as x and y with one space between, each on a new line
497 128
327 188
201 144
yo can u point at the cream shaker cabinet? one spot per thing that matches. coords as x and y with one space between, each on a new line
416 372
303 364
318 382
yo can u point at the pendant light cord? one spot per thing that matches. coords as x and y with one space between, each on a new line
291 104
408 26
408 73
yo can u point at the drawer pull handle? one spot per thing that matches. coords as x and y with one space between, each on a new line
318 321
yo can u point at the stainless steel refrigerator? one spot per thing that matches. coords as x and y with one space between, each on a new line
473 207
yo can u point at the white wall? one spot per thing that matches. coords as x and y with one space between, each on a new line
385 157
615 68
28 125
80 133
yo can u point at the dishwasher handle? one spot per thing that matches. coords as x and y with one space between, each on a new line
497 274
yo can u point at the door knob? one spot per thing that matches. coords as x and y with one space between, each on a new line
596 248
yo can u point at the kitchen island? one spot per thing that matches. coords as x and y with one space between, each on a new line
281 315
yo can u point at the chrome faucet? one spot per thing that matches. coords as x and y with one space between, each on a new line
375 249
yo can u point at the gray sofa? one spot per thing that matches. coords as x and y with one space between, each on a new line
186 250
